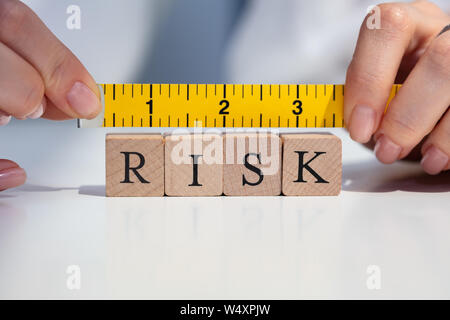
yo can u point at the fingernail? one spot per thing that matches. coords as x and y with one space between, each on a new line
4 120
39 111
386 150
83 101
434 161
12 177
362 123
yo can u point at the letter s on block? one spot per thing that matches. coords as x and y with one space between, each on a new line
253 169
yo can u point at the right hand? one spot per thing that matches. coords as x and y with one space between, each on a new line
410 47
39 77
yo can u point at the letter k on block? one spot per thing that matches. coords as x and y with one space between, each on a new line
312 165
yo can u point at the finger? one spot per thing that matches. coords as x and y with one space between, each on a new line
54 113
67 83
436 149
373 69
419 104
429 20
21 87
11 175
7 164
4 118
38 112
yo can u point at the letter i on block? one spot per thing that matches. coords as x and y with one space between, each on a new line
194 165
134 165
312 165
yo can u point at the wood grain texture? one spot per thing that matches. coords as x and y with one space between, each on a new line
146 150
322 176
252 164
179 165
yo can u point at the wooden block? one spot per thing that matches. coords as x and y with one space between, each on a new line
312 164
194 165
134 165
252 164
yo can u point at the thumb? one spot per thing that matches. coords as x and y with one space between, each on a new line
11 175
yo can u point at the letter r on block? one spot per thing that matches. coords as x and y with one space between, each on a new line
134 165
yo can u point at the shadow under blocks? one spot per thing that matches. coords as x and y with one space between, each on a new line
210 164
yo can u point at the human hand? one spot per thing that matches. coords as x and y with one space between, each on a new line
406 49
39 77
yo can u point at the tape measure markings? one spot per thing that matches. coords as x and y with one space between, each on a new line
224 105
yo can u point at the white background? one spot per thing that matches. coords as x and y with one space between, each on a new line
394 217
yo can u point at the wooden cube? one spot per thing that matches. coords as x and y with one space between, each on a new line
194 165
312 164
134 165
252 164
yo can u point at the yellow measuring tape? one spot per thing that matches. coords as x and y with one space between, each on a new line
222 106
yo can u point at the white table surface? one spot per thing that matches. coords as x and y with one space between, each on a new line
394 217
